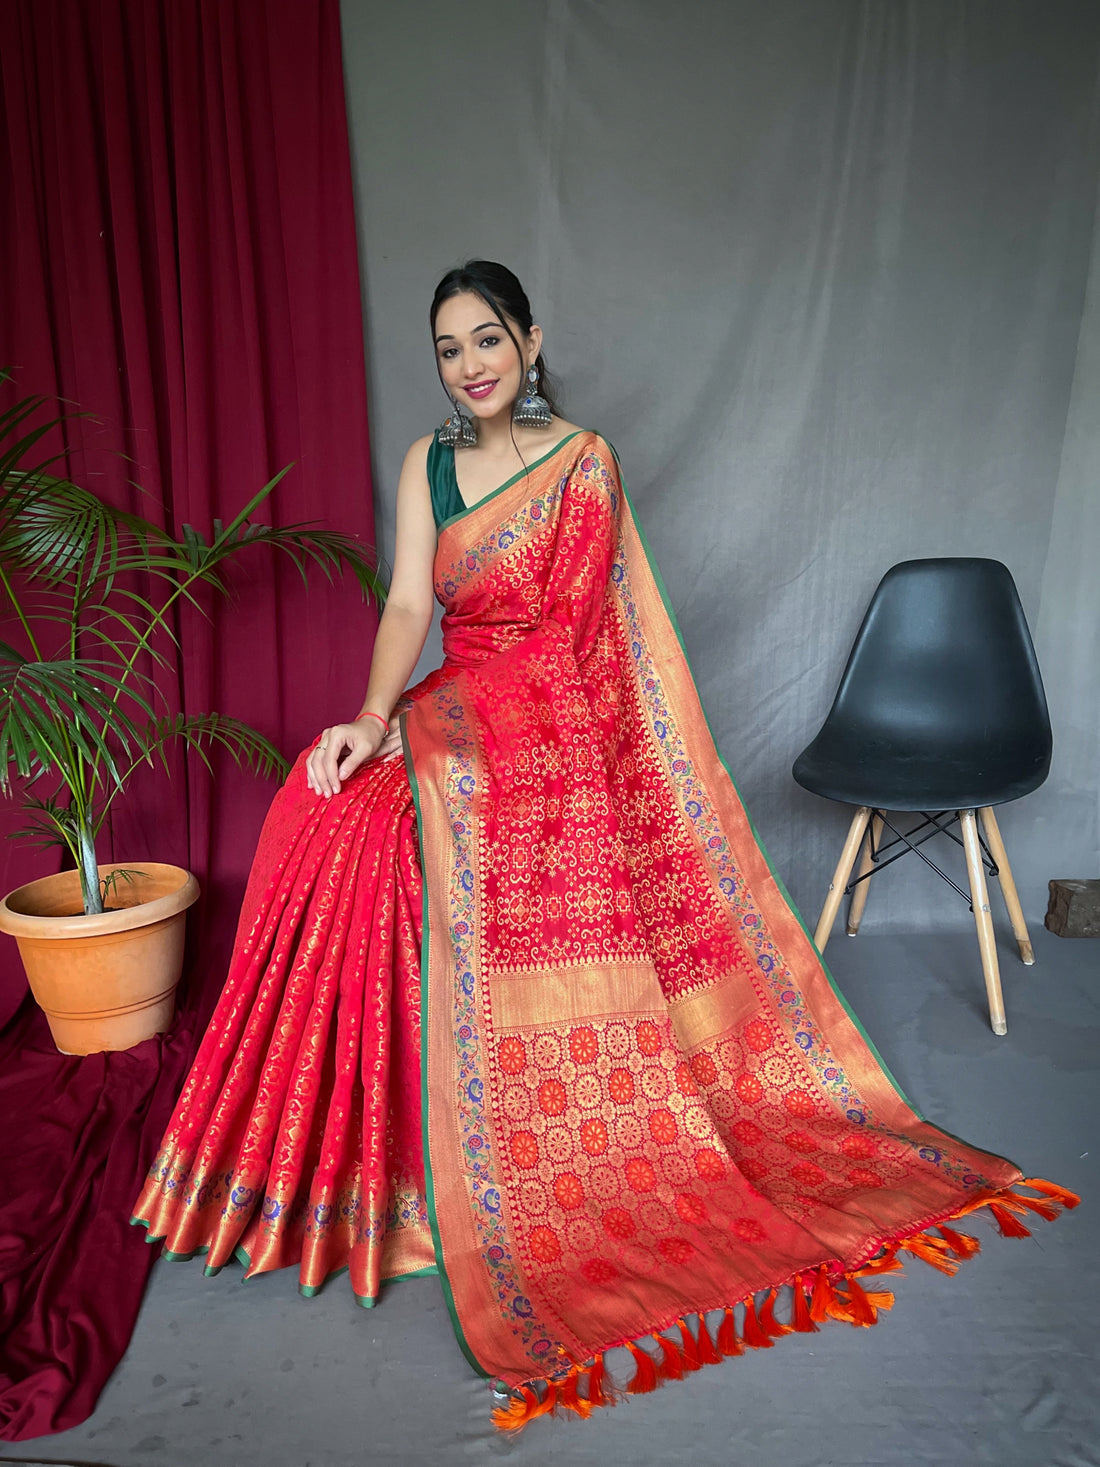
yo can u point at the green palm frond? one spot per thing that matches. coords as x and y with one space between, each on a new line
53 531
49 823
52 713
97 593
204 731
331 551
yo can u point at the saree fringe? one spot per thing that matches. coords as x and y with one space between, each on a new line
829 1291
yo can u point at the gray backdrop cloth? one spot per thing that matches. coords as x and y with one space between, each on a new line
820 270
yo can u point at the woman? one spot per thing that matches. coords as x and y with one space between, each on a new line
528 1006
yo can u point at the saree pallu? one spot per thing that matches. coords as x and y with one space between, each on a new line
644 1099
642 1103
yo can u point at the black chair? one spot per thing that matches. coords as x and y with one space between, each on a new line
941 712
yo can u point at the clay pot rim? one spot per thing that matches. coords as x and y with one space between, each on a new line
59 928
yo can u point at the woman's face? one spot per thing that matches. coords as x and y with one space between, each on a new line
477 358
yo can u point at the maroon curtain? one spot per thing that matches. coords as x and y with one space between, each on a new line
180 261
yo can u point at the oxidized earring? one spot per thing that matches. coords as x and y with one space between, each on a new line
458 430
531 410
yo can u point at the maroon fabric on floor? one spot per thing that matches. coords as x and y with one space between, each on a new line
181 262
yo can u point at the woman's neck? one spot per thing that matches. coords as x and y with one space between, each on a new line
496 435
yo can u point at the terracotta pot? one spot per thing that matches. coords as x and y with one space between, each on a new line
104 982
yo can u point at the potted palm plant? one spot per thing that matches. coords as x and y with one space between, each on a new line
90 595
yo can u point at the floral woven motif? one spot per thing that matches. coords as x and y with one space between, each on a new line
645 1100
532 1008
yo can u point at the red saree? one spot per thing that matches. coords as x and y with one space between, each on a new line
642 1099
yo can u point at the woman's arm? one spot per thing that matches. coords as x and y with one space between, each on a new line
399 641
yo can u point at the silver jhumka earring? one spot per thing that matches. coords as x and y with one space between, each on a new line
531 410
458 430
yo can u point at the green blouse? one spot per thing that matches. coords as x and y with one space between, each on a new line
446 500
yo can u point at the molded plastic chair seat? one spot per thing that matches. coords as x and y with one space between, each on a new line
941 704
940 708
891 776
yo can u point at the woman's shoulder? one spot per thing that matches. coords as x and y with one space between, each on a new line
587 441
581 439
418 449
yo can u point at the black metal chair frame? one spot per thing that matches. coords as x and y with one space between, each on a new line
905 837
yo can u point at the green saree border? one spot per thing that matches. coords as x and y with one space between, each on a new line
662 591
306 1291
370 1301
429 1183
469 508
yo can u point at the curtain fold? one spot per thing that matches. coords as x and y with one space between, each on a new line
180 228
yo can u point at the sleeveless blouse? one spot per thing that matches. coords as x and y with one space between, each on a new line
443 482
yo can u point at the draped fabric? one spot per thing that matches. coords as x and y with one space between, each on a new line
643 1098
297 1137
181 264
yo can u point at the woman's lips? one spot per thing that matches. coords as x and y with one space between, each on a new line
479 390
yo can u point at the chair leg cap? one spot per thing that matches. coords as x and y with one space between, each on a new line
1001 1028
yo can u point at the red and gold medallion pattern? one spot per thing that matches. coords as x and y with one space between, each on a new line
643 1099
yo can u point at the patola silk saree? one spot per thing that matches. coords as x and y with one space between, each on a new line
533 1010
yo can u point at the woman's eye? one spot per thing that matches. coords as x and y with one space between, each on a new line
448 352
490 341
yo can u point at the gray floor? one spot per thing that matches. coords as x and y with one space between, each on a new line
998 1365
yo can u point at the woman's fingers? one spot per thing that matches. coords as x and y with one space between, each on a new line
337 742
358 753
343 749
315 764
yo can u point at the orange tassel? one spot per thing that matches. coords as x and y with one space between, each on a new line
728 1342
645 1376
1010 1227
1051 1189
880 1301
751 1331
600 1390
888 1263
1049 1210
823 1296
688 1352
568 1396
522 1408
671 1366
768 1322
961 1244
708 1355
932 1251
859 1305
801 1318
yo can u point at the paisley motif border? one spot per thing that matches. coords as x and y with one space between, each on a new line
698 810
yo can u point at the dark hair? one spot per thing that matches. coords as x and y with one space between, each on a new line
502 293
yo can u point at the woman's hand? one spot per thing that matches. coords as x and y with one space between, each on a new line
344 748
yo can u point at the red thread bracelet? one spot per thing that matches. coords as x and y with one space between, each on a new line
366 713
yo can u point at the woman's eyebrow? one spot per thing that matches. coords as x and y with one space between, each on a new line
473 332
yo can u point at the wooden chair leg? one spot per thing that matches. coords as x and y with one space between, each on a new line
840 876
983 921
859 896
1008 886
